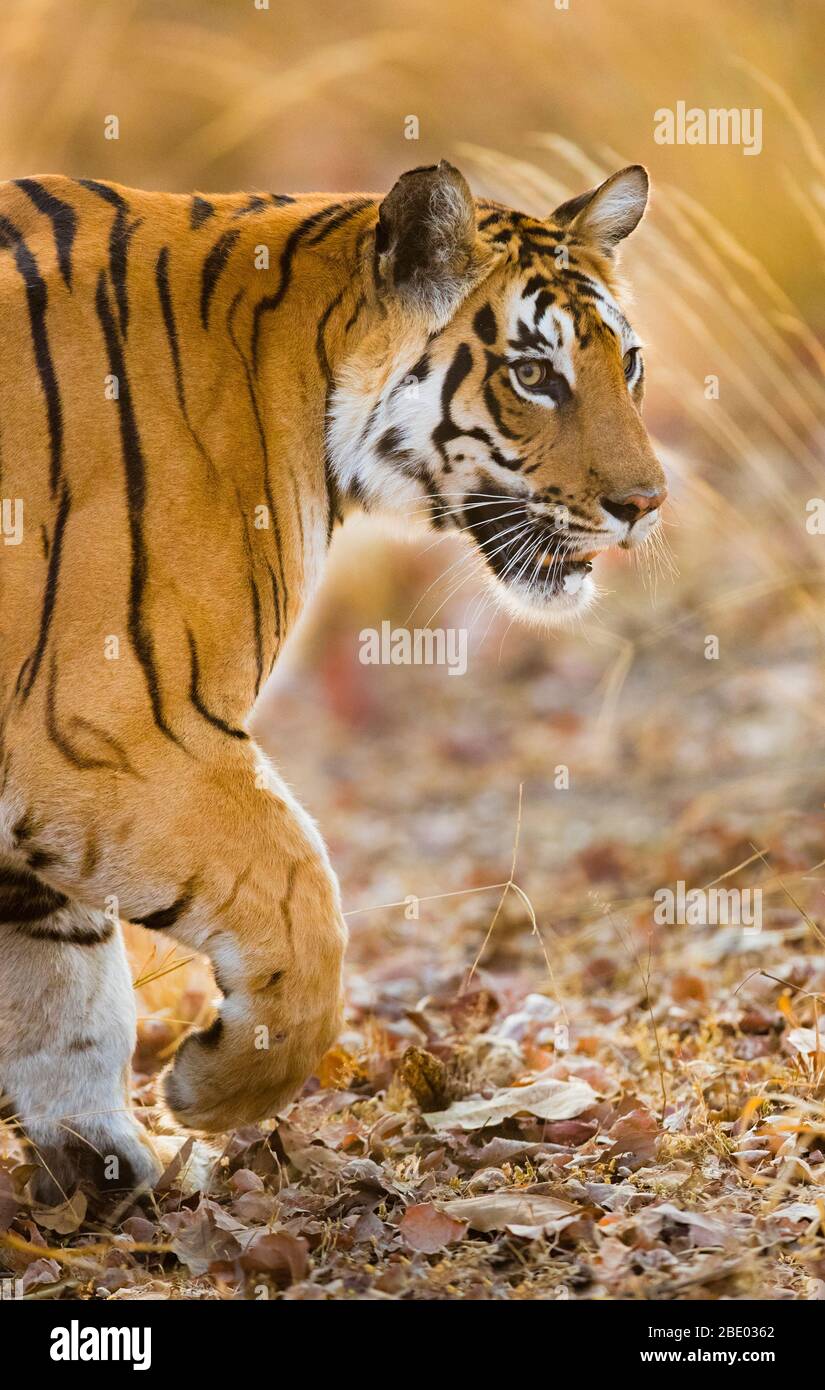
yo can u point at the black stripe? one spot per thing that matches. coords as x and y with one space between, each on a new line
585 281
390 442
164 294
421 370
74 936
213 267
168 916
484 324
119 239
26 827
135 469
200 211
37 303
493 404
256 613
526 338
197 699
544 301
256 202
168 313
458 370
30 668
298 513
534 285
270 501
360 304
270 302
286 902
320 336
24 898
333 503
42 859
339 218
447 429
104 191
538 235
91 855
63 219
117 761
225 906
211 1036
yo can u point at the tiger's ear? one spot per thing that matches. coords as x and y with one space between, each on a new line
605 215
426 243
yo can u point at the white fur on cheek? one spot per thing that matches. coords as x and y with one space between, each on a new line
370 398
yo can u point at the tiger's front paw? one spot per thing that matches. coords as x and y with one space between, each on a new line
237 1071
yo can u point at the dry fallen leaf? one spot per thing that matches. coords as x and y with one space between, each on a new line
427 1228
41 1273
280 1254
635 1137
704 1230
65 1218
153 1289
513 1209
548 1099
806 1040
10 1201
205 1236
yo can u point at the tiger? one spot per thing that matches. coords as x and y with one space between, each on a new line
195 391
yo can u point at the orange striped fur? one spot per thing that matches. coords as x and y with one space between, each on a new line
193 391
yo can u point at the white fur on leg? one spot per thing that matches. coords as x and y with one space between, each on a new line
67 1030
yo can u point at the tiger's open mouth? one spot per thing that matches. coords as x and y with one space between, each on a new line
539 565
568 570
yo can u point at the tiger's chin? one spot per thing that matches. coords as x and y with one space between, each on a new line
549 605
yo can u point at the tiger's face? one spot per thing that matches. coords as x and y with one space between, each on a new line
518 422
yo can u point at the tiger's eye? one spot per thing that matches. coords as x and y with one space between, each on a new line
530 373
631 358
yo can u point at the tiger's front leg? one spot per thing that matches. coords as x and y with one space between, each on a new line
67 1031
219 855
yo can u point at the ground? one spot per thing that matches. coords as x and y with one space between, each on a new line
544 1089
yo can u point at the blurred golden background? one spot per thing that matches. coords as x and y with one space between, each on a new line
679 765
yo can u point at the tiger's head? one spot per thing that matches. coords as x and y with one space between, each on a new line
496 383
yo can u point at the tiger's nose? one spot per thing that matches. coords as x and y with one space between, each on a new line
629 506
